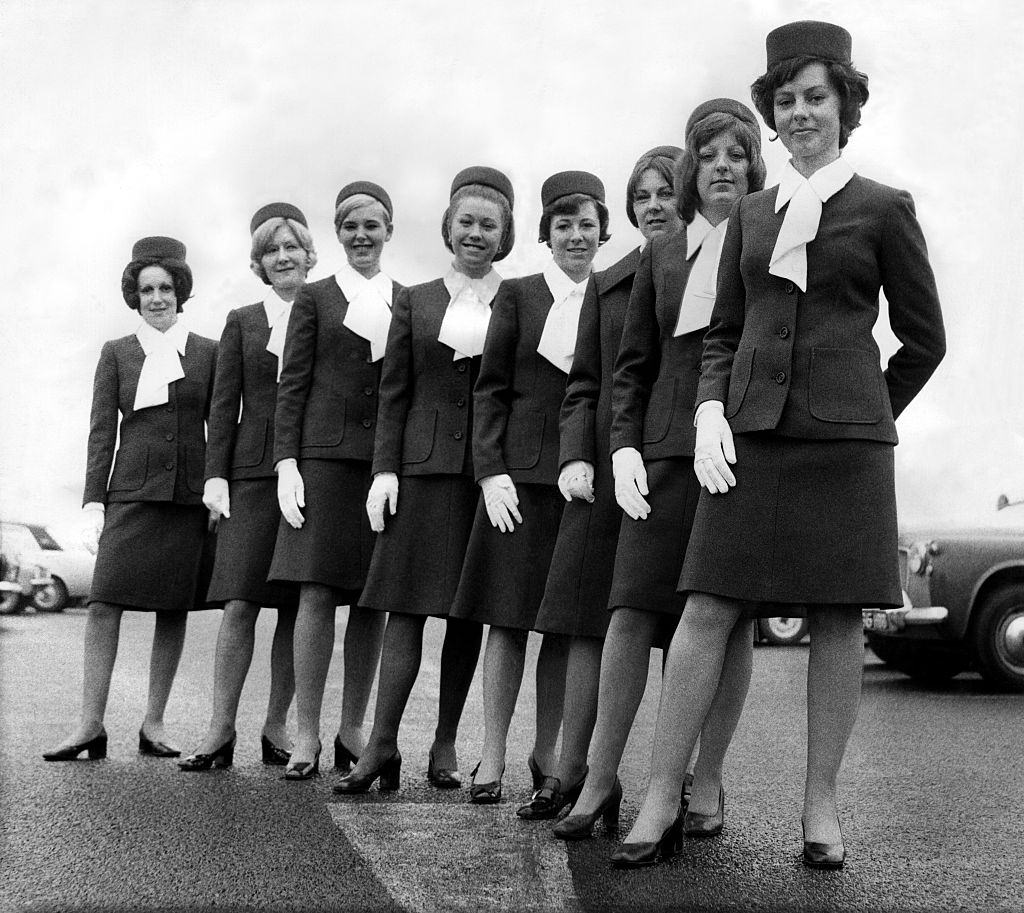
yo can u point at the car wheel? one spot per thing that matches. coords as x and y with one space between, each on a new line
998 633
782 631
52 597
10 602
923 661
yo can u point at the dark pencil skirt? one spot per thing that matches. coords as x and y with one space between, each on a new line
503 577
580 578
650 552
153 556
808 523
417 561
335 543
245 548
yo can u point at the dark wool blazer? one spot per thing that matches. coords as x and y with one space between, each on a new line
162 449
327 396
806 364
425 416
243 448
519 393
586 415
656 373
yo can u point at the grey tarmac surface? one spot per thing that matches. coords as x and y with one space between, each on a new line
931 802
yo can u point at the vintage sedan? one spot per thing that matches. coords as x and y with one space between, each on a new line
71 567
963 591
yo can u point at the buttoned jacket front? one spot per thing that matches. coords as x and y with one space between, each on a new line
425 416
656 373
585 419
162 450
327 395
805 363
519 392
242 446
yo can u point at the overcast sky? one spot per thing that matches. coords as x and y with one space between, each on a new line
123 119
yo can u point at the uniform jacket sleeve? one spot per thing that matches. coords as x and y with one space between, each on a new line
225 401
636 366
493 390
914 313
395 388
296 376
102 427
579 408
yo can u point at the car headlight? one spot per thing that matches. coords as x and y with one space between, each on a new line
919 557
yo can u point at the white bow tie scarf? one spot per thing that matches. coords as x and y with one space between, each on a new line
464 327
162 366
701 285
558 340
278 311
369 308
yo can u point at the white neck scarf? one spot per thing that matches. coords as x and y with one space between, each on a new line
278 311
800 224
701 284
558 341
464 327
162 365
369 307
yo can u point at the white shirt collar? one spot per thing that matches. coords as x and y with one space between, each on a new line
485 288
560 285
352 283
275 307
150 339
825 182
697 230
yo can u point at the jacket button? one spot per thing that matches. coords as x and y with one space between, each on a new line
790 288
460 403
169 436
457 435
784 332
780 378
367 423
168 465
368 391
461 368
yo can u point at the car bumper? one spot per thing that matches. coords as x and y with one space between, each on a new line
889 621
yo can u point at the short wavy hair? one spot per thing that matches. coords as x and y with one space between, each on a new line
570 205
849 83
356 201
264 236
705 130
179 271
649 161
508 233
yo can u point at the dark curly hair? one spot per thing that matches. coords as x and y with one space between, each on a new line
570 205
179 271
508 228
848 83
705 130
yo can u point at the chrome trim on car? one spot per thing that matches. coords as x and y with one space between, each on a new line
889 620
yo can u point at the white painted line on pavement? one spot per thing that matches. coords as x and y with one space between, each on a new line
459 857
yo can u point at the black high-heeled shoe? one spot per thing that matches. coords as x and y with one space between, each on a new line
636 855
344 760
273 755
486 793
442 777
581 826
220 758
305 770
550 799
536 774
390 778
96 748
823 855
701 826
155 748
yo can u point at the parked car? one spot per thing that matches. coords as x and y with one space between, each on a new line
780 631
20 578
70 568
963 592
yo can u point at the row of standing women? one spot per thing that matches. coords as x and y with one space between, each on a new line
702 426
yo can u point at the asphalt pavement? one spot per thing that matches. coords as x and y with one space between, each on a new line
931 802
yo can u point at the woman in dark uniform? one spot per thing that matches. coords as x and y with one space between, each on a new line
576 596
323 447
795 427
241 449
145 520
527 357
652 448
424 432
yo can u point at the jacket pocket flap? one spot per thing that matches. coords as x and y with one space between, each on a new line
845 386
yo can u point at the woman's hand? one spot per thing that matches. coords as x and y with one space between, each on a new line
576 480
631 482
501 500
93 516
291 493
384 488
714 450
217 498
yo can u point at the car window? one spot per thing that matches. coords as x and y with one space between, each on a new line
17 539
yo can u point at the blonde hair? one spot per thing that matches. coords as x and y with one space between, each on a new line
351 203
263 237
